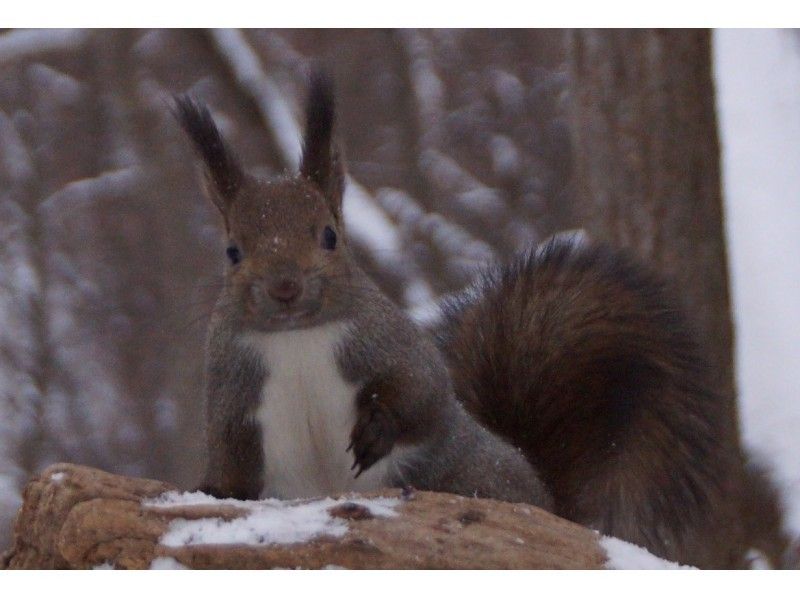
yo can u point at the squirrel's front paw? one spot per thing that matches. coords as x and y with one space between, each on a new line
375 431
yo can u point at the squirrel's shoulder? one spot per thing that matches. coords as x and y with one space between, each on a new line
381 334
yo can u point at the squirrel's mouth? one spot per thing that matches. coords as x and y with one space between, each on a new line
286 317
293 314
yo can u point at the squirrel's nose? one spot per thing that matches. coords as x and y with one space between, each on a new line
285 290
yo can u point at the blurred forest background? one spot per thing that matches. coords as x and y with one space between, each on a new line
463 147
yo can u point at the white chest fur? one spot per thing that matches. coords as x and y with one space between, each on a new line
306 414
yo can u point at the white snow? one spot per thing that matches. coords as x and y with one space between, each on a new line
367 222
18 43
188 499
166 562
757 559
758 84
624 555
269 521
58 477
110 184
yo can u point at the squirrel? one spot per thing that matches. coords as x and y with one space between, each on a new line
316 382
568 379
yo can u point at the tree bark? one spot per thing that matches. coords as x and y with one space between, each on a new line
646 168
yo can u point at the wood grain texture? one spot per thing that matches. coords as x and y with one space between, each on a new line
77 517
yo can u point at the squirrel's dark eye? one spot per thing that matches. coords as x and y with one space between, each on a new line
329 238
234 255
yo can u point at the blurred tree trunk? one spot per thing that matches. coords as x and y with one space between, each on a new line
646 160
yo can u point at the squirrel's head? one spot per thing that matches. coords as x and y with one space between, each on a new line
288 264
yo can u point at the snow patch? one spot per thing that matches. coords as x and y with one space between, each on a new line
624 555
758 101
189 499
58 477
166 562
269 521
757 559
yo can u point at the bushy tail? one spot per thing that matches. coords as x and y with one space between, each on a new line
582 358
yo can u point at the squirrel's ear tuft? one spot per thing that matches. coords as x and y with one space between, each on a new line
224 175
321 161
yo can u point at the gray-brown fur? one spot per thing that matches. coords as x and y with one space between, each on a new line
407 397
286 276
233 379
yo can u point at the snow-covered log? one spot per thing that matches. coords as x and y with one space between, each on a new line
78 517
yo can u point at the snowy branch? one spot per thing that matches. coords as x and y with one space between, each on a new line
470 199
471 194
15 160
427 86
113 183
20 43
449 238
275 111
